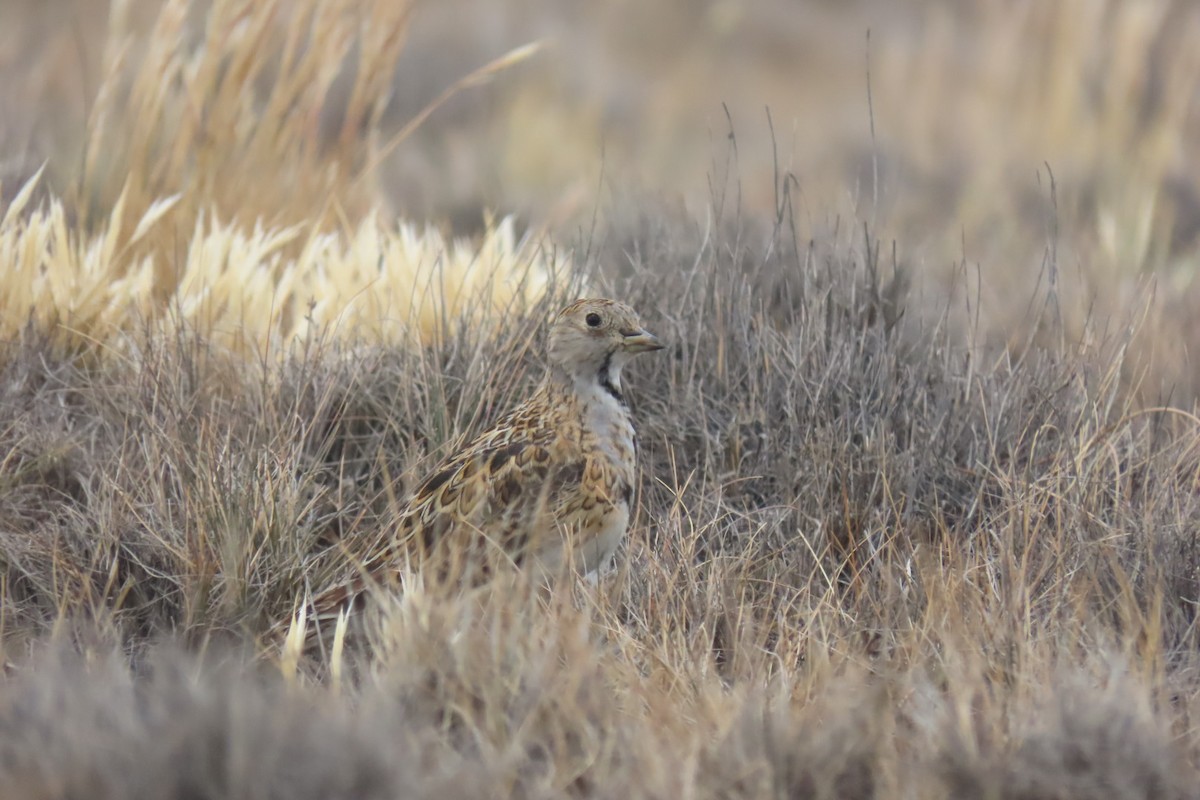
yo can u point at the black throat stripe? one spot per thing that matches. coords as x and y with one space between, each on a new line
606 380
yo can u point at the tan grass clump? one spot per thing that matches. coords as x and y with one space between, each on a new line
257 290
84 288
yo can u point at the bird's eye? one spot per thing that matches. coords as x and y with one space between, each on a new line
593 320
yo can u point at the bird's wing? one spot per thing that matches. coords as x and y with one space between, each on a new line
489 500
494 490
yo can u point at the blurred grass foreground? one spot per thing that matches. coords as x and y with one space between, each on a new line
919 503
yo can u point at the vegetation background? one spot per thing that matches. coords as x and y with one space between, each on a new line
921 469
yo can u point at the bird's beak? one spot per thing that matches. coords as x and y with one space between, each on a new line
642 342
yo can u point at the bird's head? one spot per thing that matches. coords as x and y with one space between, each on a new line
594 339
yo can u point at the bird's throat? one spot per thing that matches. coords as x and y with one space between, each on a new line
609 377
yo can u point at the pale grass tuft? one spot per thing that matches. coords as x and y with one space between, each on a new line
293 645
248 292
384 284
77 288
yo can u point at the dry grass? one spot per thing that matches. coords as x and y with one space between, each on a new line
974 108
866 565
211 197
258 292
970 103
884 547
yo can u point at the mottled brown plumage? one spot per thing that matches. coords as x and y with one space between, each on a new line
551 481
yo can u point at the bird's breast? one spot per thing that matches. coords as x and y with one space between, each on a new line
609 432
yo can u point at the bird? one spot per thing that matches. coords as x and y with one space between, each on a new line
548 488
